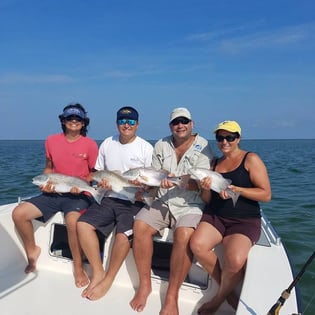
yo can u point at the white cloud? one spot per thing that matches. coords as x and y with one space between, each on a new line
238 39
12 78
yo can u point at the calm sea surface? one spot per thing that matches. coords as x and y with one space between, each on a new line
291 167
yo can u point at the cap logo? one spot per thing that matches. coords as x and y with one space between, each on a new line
198 147
127 113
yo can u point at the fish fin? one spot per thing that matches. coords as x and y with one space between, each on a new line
144 178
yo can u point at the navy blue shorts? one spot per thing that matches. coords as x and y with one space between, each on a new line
251 227
50 204
112 212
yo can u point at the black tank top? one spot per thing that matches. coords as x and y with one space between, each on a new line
244 208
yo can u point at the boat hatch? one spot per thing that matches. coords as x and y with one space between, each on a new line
59 245
162 247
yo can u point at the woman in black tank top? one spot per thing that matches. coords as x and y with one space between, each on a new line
237 225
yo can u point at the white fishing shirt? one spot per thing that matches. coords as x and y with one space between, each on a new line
181 201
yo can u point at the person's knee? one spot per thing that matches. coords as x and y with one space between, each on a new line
20 213
16 214
82 226
235 262
196 246
122 238
183 235
141 229
71 220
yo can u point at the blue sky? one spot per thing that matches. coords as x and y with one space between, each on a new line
250 61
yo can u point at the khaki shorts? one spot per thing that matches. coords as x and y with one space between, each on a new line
159 217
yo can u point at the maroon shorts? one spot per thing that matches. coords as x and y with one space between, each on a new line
251 227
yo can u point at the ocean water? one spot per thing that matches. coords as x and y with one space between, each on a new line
291 168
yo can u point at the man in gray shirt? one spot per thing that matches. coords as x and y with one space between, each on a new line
175 207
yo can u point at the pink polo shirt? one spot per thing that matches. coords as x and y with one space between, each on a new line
75 158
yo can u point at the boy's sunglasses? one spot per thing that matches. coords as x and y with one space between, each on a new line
130 122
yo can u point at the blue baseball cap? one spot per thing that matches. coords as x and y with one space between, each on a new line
127 112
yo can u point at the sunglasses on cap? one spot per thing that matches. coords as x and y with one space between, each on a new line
130 122
74 117
228 138
180 120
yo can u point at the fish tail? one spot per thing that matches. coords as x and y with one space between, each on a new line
150 196
98 194
148 200
234 195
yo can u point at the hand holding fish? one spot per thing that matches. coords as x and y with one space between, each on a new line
205 183
224 194
75 190
166 183
47 187
104 183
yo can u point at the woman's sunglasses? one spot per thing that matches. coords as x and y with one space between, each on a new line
228 138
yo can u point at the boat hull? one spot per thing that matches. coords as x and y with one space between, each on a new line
51 290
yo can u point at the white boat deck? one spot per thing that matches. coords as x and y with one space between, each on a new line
51 290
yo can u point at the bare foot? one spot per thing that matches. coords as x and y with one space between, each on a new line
233 300
80 278
140 299
100 289
96 279
32 259
211 307
170 307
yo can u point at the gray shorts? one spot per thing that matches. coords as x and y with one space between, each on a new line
159 217
111 213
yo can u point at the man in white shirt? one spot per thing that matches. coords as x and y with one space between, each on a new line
121 152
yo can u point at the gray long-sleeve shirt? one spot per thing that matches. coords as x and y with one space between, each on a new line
181 201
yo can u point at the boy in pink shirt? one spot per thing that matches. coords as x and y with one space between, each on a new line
70 153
